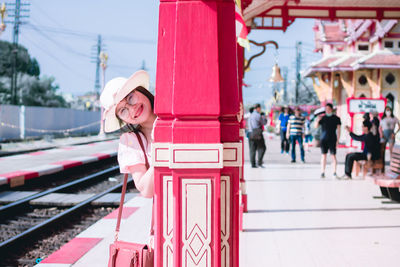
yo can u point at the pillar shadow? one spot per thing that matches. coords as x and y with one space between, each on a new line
323 210
320 228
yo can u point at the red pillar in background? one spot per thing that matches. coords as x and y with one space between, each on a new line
197 151
240 65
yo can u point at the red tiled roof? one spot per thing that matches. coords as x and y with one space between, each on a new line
334 33
379 59
325 63
347 63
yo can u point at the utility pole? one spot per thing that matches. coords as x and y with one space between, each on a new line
143 67
17 21
285 76
103 59
98 51
298 67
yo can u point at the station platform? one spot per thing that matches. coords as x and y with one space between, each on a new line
295 218
70 152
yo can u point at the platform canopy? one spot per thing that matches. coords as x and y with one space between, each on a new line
279 14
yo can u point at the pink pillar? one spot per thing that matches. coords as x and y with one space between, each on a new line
243 194
197 152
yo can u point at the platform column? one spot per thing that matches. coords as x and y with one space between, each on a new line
196 152
243 194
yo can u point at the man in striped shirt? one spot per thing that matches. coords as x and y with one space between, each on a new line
295 133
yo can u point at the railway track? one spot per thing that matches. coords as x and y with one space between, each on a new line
37 219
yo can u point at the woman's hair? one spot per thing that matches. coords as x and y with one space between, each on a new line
367 124
391 112
329 105
147 94
127 127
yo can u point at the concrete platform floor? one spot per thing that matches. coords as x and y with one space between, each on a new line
297 219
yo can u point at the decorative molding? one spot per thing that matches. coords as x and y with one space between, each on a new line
168 216
242 132
198 156
232 154
196 222
188 156
160 154
225 220
243 188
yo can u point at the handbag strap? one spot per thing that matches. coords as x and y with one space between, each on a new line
121 206
144 152
121 202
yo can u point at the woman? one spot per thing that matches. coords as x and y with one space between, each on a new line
387 126
129 107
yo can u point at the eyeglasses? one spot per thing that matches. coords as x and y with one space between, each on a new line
130 99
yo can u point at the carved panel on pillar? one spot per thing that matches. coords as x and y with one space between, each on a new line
225 220
196 222
168 216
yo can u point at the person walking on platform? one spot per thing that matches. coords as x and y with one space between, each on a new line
283 121
129 107
256 138
307 134
388 125
370 151
295 133
330 135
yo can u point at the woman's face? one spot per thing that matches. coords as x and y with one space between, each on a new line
135 108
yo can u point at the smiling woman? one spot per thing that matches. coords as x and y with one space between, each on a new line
129 105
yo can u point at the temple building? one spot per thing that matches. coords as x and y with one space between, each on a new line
360 67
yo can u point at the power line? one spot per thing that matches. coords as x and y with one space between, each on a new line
63 46
65 31
46 15
112 38
46 52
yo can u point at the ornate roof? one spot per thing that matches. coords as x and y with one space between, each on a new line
351 62
328 9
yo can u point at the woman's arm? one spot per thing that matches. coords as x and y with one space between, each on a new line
398 127
357 137
144 180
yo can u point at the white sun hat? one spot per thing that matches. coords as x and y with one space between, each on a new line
116 90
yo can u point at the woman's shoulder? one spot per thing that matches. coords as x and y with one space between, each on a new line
129 139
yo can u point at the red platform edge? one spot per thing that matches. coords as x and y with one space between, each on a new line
126 213
72 251
29 174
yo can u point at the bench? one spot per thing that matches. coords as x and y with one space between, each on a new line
389 183
377 166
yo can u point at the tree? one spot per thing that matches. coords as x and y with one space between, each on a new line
32 90
25 64
39 92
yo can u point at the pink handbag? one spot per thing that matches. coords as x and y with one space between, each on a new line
125 254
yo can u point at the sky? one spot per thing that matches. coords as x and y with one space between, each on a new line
62 36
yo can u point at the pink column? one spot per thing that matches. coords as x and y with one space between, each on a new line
196 151
240 65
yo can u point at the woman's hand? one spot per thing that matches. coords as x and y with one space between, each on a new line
347 128
144 180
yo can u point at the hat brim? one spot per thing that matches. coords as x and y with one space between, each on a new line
139 78
111 122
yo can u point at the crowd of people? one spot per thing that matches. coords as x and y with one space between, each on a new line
295 129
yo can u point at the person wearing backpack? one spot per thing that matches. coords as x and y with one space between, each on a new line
256 138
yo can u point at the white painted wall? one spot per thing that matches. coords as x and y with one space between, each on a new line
46 119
